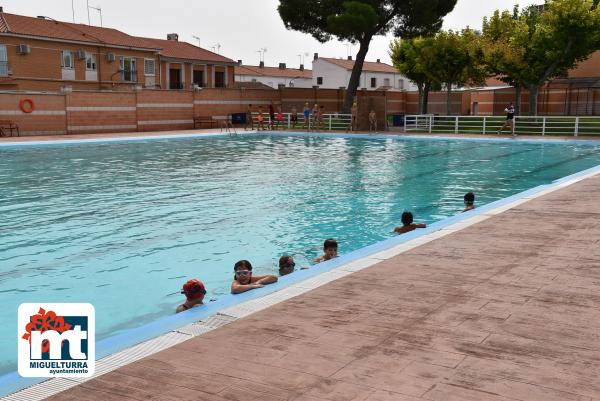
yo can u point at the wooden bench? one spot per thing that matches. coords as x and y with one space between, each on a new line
198 121
7 127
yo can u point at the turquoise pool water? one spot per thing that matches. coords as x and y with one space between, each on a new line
123 224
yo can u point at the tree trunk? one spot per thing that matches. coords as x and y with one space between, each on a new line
519 97
425 98
533 99
355 76
421 96
449 99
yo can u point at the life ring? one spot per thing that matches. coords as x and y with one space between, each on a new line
26 105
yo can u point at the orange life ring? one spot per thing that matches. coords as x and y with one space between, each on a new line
26 105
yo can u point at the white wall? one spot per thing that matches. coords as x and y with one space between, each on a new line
335 76
273 82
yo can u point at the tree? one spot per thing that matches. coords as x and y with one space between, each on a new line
544 45
361 20
407 56
501 57
455 59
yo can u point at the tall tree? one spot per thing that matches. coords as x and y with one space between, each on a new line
361 20
408 57
455 60
547 44
502 58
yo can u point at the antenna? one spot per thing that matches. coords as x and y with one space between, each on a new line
197 38
217 46
73 9
94 8
262 52
349 47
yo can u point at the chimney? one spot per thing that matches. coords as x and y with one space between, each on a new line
379 60
239 62
316 57
282 66
349 58
173 36
301 67
261 65
1 9
41 17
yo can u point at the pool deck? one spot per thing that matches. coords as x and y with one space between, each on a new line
505 309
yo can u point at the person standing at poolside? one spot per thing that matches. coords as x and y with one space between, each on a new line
354 117
372 121
510 116
330 251
469 201
294 117
260 119
306 113
244 281
271 115
315 116
249 120
279 118
407 224
194 293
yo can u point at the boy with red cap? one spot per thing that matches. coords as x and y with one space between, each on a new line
194 292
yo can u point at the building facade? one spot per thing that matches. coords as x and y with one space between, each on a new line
331 73
274 76
47 55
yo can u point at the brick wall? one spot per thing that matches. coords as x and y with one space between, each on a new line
80 112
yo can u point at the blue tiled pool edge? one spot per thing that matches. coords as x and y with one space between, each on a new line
12 382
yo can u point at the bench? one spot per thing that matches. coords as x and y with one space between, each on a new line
198 121
7 127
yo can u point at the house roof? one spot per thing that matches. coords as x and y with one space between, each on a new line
367 66
250 85
52 29
186 51
272 72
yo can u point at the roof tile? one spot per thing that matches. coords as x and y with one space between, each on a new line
367 66
272 72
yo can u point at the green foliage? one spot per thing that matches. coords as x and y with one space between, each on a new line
357 17
360 20
529 48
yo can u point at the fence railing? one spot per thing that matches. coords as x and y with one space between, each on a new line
328 122
523 125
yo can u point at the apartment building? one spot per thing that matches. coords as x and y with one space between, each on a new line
48 55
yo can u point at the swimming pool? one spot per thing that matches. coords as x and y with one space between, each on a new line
123 224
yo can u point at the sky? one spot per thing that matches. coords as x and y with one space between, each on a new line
237 29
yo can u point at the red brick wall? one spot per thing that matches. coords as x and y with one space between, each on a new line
41 69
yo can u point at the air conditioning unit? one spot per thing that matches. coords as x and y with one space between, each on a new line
80 54
23 49
110 57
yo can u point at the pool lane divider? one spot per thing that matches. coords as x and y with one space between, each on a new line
137 343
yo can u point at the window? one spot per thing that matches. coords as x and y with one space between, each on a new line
373 82
3 61
67 59
149 66
400 84
128 69
319 80
386 82
199 78
90 62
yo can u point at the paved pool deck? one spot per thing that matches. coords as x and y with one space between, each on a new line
505 309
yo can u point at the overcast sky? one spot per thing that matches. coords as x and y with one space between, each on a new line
241 27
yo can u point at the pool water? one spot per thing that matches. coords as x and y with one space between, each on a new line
123 225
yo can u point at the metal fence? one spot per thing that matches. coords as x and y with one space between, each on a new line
523 125
328 122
